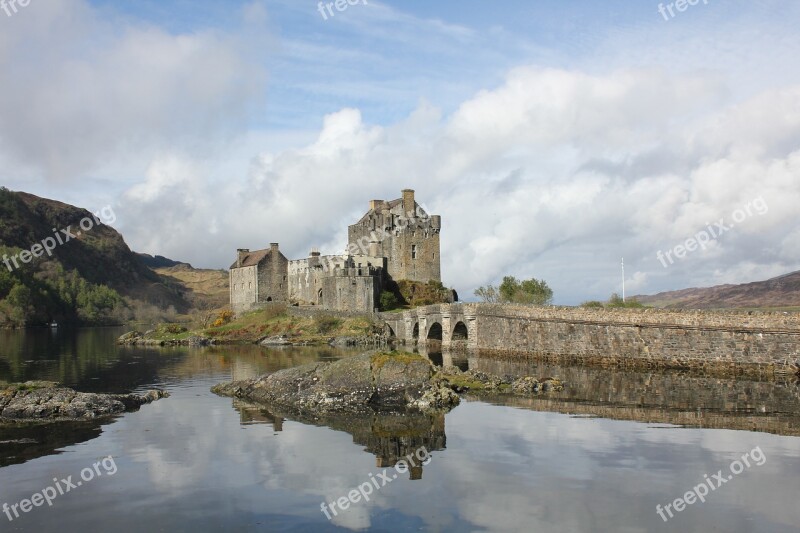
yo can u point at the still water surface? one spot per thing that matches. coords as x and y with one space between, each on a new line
598 457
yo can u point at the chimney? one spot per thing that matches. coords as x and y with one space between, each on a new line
409 206
241 253
313 258
273 247
375 205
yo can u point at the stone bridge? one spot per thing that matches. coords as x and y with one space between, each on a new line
451 325
728 341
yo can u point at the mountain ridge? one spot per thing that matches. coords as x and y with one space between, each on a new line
778 292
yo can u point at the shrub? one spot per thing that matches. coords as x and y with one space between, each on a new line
326 323
224 318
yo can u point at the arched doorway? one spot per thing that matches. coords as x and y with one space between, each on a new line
319 297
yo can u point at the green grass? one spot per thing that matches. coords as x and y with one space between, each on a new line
271 322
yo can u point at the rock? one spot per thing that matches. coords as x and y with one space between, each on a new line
552 384
277 340
372 382
450 370
196 340
366 340
526 385
130 338
40 400
135 338
489 382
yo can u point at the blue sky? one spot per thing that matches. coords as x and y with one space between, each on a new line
553 137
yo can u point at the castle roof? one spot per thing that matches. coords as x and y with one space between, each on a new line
252 258
391 204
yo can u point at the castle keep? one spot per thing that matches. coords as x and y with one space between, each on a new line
395 240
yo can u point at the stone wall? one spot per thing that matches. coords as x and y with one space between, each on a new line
243 288
673 340
313 311
728 341
272 277
352 289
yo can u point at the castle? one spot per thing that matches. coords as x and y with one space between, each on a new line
395 240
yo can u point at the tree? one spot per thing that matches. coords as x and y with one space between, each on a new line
388 301
531 291
488 294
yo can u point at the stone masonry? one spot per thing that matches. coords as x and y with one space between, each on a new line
763 343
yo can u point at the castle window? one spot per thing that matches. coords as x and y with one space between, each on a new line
413 251
250 285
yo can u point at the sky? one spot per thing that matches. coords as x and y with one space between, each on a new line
554 138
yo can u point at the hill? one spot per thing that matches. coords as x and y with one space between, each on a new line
782 292
65 264
159 261
204 289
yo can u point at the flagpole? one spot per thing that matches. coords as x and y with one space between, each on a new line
623 280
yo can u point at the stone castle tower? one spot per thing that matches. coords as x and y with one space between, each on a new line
402 232
395 240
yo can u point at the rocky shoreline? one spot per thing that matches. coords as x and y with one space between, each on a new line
137 338
376 382
367 382
44 401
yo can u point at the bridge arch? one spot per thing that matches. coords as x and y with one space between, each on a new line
460 332
415 331
390 331
435 332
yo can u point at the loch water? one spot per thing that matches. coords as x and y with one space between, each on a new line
599 456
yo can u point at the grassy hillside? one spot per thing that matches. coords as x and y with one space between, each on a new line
781 293
205 289
275 321
90 278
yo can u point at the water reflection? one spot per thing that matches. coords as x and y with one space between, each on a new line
89 360
388 436
654 397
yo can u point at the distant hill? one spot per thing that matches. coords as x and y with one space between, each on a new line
781 292
205 289
159 261
92 276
